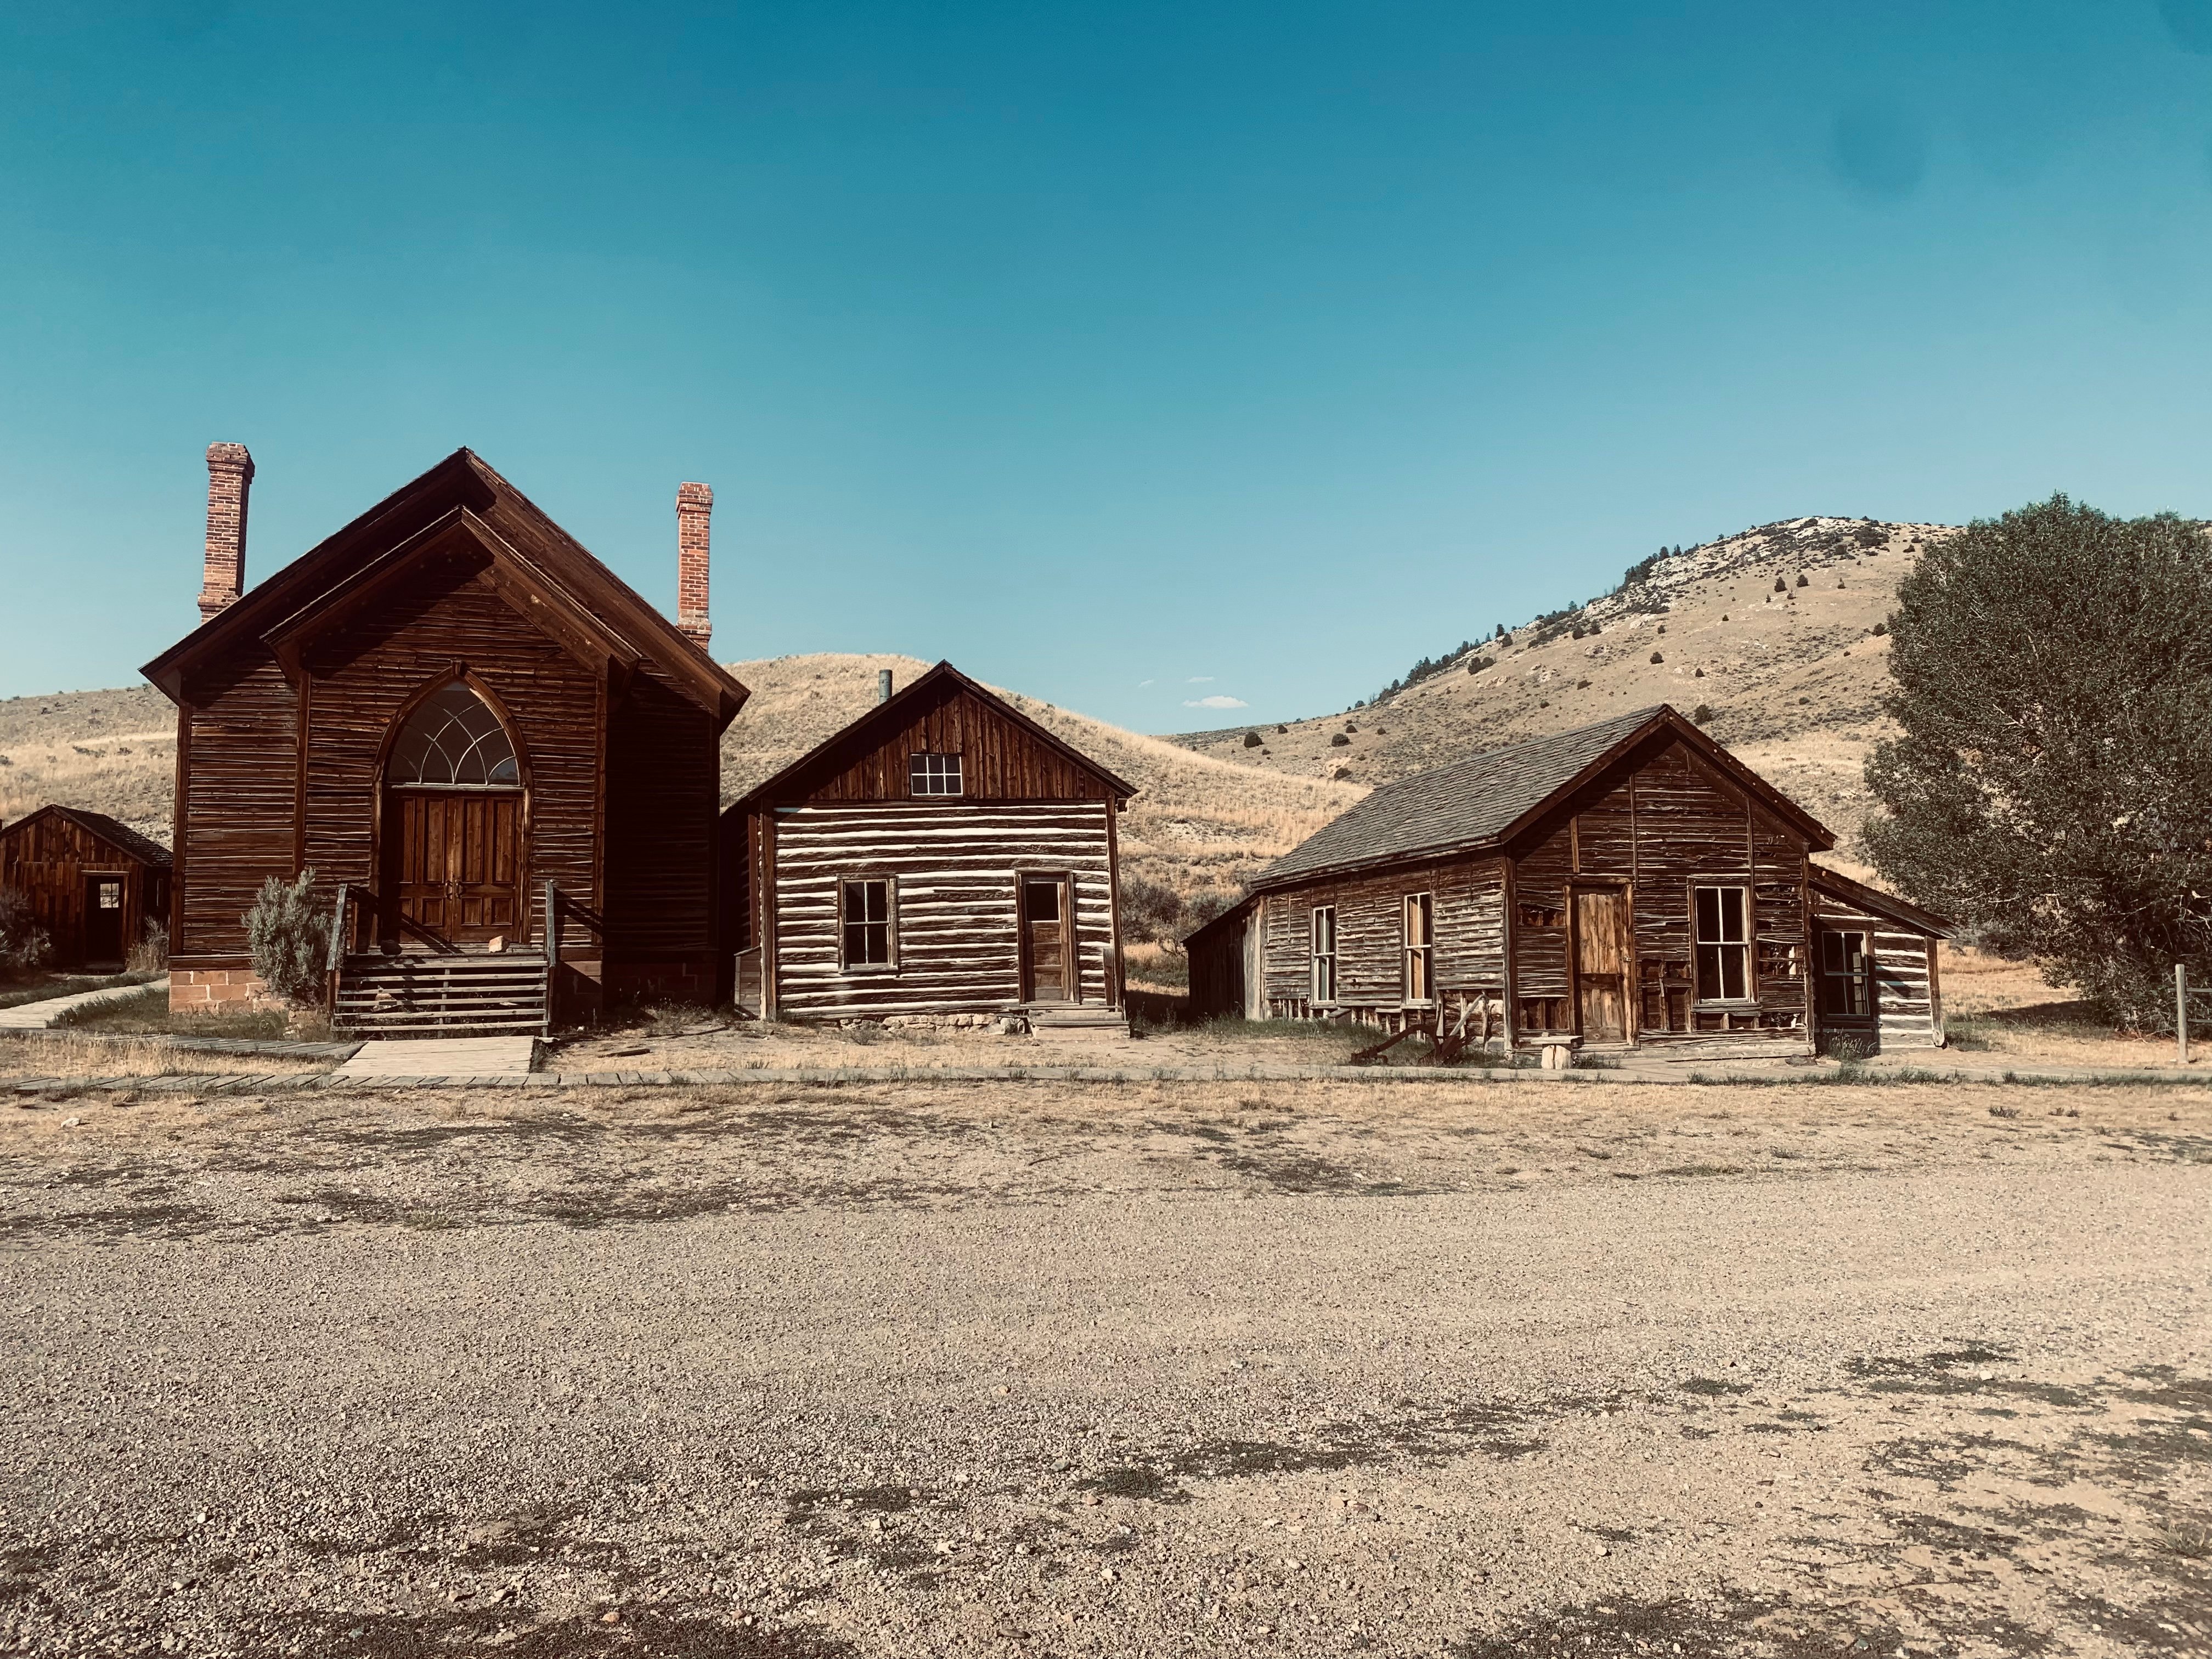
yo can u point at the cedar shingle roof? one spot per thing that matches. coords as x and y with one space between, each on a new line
1461 805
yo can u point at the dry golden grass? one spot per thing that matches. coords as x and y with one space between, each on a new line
110 752
63 1056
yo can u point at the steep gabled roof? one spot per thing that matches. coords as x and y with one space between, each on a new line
1486 800
1877 902
798 777
462 486
121 836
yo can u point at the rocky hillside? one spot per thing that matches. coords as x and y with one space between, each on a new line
1772 630
1197 821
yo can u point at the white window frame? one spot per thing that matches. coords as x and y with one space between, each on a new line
934 776
1321 939
889 924
1725 950
1424 954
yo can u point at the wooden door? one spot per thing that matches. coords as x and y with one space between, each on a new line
1048 939
1600 917
453 865
103 920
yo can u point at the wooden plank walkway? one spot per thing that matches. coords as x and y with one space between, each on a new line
37 1016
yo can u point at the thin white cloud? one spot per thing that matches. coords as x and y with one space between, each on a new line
1200 679
1216 700
1141 684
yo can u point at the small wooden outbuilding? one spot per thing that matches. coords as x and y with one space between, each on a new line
94 884
1627 883
943 857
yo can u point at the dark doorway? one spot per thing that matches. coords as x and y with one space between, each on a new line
1048 939
103 921
1601 918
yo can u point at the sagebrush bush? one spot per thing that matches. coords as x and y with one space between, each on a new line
289 934
24 945
150 955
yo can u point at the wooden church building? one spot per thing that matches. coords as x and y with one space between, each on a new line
942 857
93 885
1628 883
479 739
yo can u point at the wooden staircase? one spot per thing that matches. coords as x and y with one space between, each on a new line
444 994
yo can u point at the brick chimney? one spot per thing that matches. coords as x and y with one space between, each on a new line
230 477
695 504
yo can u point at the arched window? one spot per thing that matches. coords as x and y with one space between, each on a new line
452 737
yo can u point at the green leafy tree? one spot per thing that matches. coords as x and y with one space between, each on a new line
2052 787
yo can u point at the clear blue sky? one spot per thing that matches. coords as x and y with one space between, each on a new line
1128 354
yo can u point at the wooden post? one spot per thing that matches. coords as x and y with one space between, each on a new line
336 955
552 950
2181 1012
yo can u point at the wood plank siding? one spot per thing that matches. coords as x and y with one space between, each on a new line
1644 886
954 877
237 813
1469 907
55 857
293 697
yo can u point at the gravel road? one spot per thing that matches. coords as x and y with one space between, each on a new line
1479 1370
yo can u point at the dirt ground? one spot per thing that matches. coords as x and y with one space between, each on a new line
1481 1369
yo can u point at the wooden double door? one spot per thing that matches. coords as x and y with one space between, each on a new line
453 866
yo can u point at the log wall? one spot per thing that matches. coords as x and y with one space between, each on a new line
958 945
1908 998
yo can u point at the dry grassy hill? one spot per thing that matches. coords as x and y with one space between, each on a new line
114 752
1793 678
1197 821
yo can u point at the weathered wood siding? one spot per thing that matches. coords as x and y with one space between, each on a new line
237 812
1908 1001
957 868
364 672
47 857
663 800
1664 822
1228 975
1000 759
1469 952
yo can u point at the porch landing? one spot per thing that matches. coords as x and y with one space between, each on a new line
444 1057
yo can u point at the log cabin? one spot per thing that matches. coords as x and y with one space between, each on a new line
944 858
500 761
93 885
1630 883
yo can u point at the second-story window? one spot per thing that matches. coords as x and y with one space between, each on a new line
933 774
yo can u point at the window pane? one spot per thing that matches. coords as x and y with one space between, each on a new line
1733 976
1708 970
1709 915
452 737
1732 915
1040 900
